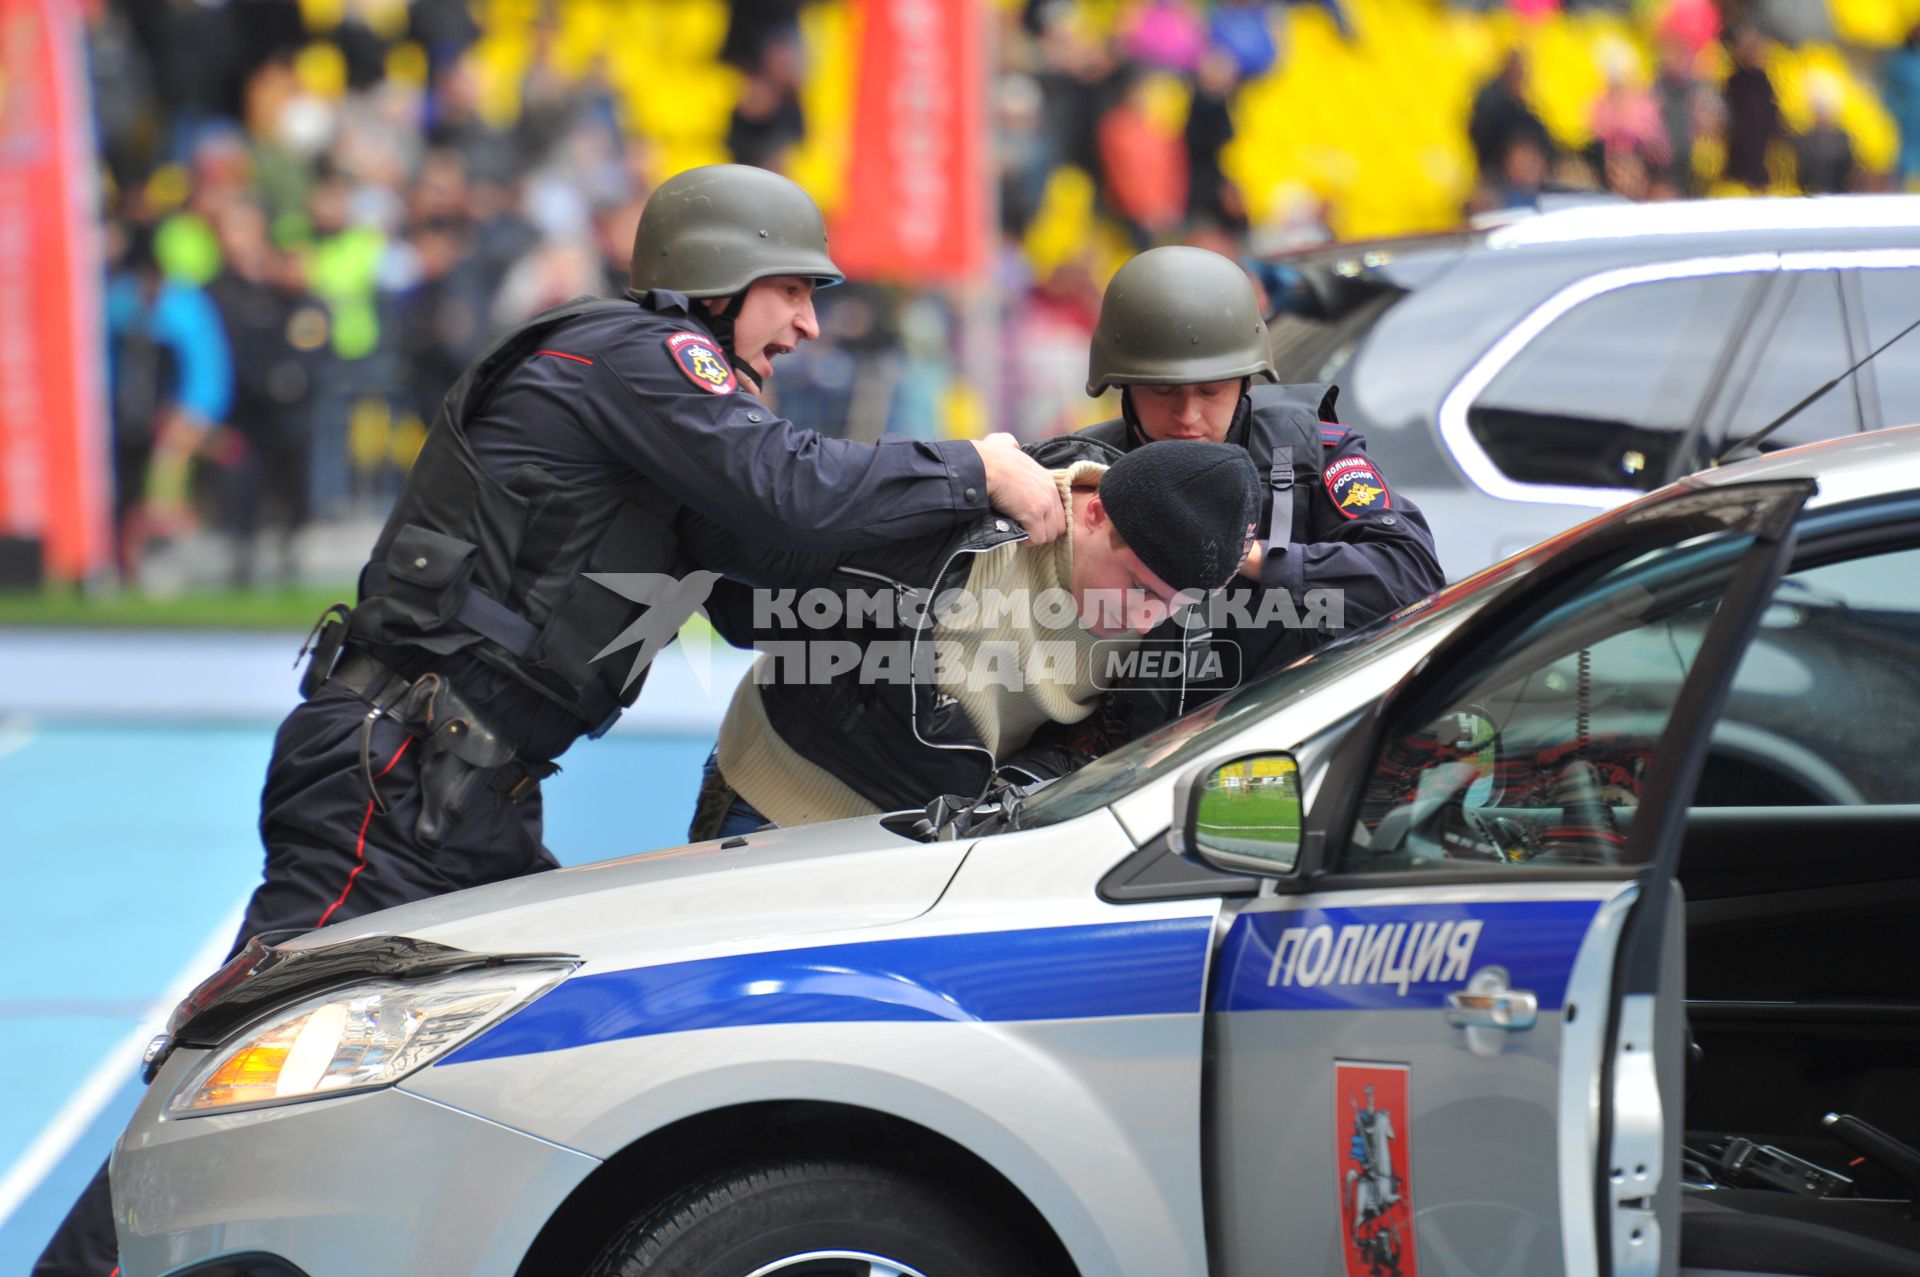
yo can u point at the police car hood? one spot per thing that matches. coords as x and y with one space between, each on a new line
783 882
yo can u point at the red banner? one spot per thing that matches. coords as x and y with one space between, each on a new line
916 202
53 465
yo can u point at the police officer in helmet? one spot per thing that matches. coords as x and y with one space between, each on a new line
529 570
1181 334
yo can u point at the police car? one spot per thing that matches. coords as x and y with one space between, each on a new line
1560 924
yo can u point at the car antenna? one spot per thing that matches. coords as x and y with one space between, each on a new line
1753 440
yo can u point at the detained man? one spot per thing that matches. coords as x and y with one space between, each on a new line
890 677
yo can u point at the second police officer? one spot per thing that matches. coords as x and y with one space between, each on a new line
1181 335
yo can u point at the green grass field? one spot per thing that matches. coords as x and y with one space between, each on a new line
288 609
1251 819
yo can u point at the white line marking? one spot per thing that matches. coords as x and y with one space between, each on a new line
58 1137
17 731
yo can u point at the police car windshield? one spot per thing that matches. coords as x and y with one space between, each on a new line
1181 742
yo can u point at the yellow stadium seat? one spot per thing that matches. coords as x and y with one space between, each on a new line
1874 24
322 69
820 163
1064 221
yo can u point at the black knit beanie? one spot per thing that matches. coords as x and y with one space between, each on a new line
1185 508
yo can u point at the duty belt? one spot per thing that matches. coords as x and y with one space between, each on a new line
392 696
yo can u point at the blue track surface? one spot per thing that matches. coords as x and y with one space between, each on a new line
128 848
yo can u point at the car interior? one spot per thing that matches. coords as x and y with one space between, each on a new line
1800 874
1802 1004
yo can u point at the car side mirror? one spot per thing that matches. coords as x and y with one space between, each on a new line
1242 815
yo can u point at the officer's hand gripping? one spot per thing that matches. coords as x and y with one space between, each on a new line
1021 488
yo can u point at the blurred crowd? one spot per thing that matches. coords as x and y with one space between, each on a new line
319 211
308 241
1680 135
1258 128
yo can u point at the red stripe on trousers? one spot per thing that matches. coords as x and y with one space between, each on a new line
360 846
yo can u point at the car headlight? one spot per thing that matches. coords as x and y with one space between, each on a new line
359 1038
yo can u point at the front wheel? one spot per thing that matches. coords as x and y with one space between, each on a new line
813 1219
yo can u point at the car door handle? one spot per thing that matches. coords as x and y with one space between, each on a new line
1513 1010
1487 1003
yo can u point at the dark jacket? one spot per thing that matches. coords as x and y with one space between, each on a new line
272 376
1349 530
551 479
1753 121
1501 117
897 742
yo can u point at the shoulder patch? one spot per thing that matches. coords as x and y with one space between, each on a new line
1356 488
702 363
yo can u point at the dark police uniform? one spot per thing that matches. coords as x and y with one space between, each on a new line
494 618
483 645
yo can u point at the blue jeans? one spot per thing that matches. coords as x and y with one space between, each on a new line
719 811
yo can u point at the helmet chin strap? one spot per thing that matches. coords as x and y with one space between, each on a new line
721 325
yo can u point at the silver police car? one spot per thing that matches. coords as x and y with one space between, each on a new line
1560 924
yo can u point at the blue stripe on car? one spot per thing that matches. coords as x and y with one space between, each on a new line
1051 973
1318 969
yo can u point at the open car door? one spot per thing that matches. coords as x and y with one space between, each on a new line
1448 1038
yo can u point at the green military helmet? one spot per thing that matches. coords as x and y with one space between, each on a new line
1176 316
711 231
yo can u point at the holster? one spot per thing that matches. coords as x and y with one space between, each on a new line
461 750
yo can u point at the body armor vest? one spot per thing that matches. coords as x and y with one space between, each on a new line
496 569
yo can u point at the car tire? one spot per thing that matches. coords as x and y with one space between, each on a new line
814 1218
